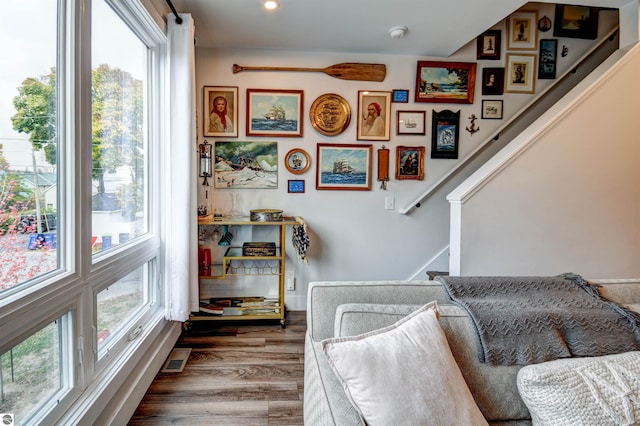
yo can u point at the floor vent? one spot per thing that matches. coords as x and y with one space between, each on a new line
176 361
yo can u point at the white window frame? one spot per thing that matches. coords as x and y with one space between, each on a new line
72 289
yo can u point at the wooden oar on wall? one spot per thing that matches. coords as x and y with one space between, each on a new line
344 71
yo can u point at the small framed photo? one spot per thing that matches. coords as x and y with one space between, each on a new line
274 112
446 82
220 111
522 28
492 109
576 22
445 134
297 161
492 81
344 167
374 115
488 45
410 122
400 96
410 162
295 186
520 73
547 57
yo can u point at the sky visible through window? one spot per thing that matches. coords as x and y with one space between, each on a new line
22 59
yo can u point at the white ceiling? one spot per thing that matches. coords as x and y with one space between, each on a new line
434 28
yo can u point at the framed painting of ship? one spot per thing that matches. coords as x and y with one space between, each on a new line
410 162
445 82
220 111
245 165
274 112
374 116
344 167
410 122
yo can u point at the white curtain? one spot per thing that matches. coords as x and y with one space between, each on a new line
181 269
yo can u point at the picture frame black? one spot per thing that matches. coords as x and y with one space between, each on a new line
576 22
492 109
445 134
492 81
547 58
295 186
489 44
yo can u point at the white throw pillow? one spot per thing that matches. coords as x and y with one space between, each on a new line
583 391
404 374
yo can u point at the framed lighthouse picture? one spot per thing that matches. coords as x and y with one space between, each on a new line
274 112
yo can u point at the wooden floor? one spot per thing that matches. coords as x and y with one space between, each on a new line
238 374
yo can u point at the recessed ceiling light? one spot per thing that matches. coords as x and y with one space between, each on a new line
271 4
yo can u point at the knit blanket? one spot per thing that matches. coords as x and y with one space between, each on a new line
527 320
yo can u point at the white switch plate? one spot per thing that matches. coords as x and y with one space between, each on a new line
389 203
290 281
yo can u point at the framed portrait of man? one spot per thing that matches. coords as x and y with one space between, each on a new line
374 115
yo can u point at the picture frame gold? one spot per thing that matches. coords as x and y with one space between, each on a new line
297 161
522 30
374 115
219 120
410 162
521 70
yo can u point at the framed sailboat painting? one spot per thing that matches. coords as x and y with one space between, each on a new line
274 112
344 167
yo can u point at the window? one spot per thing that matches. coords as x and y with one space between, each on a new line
119 303
28 144
79 214
118 85
32 372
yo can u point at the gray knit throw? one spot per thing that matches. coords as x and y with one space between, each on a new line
527 320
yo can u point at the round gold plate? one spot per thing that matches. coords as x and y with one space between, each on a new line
330 114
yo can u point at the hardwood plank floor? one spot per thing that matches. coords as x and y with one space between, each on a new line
241 373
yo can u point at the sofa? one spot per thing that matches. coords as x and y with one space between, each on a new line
339 309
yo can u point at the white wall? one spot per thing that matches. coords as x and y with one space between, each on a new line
569 201
352 236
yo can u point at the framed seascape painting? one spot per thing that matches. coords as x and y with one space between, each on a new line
522 30
410 162
521 73
445 134
374 115
344 167
447 82
274 112
251 165
220 111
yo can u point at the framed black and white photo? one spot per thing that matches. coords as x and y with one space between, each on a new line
521 69
492 81
410 122
488 45
492 109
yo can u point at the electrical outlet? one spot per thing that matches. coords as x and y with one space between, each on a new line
389 203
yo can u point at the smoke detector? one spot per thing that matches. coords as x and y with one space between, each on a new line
397 32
